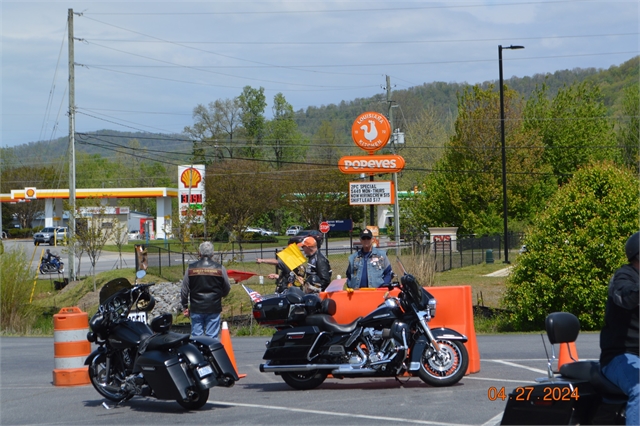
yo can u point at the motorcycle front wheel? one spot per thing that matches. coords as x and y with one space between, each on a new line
305 380
444 368
109 387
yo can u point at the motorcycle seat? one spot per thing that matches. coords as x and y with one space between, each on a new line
166 341
326 322
590 371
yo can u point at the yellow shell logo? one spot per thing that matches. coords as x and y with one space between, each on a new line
190 178
30 192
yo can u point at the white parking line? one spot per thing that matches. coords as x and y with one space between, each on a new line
328 413
513 364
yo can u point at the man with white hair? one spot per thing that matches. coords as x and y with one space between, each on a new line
204 285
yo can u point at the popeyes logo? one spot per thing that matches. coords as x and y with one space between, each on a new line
371 164
371 131
191 178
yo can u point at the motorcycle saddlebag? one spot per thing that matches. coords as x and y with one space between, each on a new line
550 403
291 343
165 374
213 348
280 310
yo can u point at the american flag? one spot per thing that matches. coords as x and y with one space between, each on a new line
254 295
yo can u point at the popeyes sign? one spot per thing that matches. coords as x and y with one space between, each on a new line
371 132
371 164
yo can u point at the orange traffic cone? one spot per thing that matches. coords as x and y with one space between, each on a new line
225 338
568 353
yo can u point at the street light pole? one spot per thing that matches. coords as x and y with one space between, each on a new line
504 153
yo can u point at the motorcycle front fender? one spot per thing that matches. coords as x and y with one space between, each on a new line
448 334
93 355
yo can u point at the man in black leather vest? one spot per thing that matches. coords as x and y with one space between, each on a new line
204 285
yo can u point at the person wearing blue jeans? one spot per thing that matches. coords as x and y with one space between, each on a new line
204 285
619 336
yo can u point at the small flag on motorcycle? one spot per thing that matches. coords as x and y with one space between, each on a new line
254 295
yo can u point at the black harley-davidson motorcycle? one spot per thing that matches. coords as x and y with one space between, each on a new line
578 394
393 340
135 359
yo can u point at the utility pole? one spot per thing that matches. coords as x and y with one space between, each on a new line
72 153
396 207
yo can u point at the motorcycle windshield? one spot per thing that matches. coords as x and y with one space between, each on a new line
412 288
112 287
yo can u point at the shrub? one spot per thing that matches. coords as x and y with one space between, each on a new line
15 289
573 248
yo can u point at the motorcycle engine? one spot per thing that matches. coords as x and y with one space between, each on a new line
380 346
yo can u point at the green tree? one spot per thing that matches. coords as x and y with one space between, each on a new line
629 129
320 193
466 189
282 133
328 143
252 104
215 129
241 191
573 248
574 127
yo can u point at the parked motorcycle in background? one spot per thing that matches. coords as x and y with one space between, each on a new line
135 359
392 341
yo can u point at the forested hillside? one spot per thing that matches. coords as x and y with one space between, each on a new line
438 97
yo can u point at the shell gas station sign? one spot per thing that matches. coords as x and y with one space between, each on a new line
191 195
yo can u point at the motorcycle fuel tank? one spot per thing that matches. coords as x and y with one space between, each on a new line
383 316
128 334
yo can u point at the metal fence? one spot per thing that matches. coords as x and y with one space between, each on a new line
464 251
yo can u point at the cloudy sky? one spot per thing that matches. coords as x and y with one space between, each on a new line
144 66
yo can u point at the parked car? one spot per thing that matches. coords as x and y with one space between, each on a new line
293 229
253 230
50 235
269 232
319 236
134 234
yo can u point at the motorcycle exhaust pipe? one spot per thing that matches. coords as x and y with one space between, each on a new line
292 368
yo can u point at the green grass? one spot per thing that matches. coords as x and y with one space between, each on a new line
237 303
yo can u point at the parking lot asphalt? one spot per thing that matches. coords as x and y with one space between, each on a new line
27 395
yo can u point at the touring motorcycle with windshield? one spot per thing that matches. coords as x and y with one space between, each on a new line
393 340
137 359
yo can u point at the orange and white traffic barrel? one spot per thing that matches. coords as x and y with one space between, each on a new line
70 347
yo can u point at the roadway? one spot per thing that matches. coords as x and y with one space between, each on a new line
28 397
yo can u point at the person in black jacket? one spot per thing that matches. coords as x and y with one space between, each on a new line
619 336
318 270
204 285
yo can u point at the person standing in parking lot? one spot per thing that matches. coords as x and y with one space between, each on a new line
204 285
369 266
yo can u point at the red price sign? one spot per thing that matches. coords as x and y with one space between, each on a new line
324 227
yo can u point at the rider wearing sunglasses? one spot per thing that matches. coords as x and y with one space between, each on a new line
369 266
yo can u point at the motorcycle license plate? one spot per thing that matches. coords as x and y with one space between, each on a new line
204 371
138 316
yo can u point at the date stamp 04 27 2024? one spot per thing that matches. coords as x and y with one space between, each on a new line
525 393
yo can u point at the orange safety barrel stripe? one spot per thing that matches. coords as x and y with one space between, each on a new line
65 349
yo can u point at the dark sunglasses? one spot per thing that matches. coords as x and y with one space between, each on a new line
365 238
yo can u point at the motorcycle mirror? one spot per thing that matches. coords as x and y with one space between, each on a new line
140 274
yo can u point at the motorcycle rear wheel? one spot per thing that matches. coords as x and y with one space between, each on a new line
198 403
446 368
305 380
106 386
